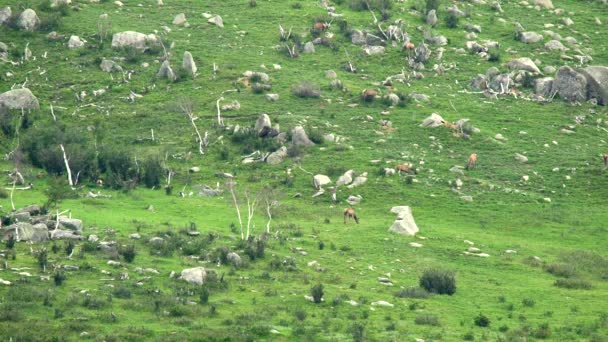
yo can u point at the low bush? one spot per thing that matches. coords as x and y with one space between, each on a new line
438 281
482 320
573 283
413 292
561 270
317 293
427 320
306 89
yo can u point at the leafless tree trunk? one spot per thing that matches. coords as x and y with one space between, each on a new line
67 166
250 210
220 122
12 191
187 107
231 186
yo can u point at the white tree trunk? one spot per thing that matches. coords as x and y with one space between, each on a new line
250 210
268 205
67 166
238 211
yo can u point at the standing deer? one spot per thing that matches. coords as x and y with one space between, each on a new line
605 156
472 163
405 168
350 213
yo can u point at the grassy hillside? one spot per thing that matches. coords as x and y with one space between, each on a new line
547 270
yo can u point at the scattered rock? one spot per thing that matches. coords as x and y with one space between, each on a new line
570 85
272 97
234 259
374 50
217 21
299 137
415 244
75 42
277 156
543 86
309 47
433 121
196 275
530 37
431 18
547 4
521 158
134 40
5 15
108 65
523 63
320 180
19 99
359 180
404 224
555 45
70 224
165 71
382 303
354 200
28 20
597 81
188 64
180 19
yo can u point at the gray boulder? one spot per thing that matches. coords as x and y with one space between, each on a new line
234 259
75 42
437 40
262 122
217 21
19 99
108 65
24 231
309 47
554 45
431 18
501 83
207 191
570 85
299 137
547 4
320 180
530 37
404 224
543 86
480 82
70 224
346 178
523 63
196 275
55 3
188 64
434 120
359 180
60 234
134 39
277 156
422 53
33 209
358 37
165 71
19 216
28 20
374 50
180 19
5 15
597 81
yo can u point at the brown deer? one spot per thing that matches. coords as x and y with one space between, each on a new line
409 47
472 163
369 95
605 156
320 27
350 213
405 168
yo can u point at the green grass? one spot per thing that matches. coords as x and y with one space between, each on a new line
267 294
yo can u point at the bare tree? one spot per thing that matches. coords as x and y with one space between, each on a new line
269 197
231 185
67 166
251 204
187 107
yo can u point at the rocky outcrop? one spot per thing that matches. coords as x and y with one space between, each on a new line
19 99
134 40
597 82
570 85
404 224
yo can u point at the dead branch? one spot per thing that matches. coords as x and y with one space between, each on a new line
67 166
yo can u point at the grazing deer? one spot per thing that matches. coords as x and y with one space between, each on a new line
472 161
320 27
368 95
350 213
405 168
409 47
605 156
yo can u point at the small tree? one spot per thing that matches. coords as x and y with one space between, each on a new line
129 253
317 293
41 256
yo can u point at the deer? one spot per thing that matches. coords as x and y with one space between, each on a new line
368 95
472 162
350 213
409 47
605 157
405 168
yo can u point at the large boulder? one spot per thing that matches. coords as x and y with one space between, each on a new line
346 178
19 99
570 85
320 180
553 45
299 137
196 275
75 42
109 65
431 18
24 231
59 234
70 224
262 123
180 19
357 37
422 53
166 71
404 224
500 83
359 180
523 63
597 81
5 15
188 64
530 37
434 120
277 156
28 20
55 3
217 21
134 40
544 3
543 86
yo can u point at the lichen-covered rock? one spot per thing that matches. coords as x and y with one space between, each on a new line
19 99
570 85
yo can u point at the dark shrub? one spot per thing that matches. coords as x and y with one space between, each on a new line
451 20
306 89
427 320
432 5
438 281
561 270
482 321
122 292
58 278
317 293
573 283
153 172
128 253
413 292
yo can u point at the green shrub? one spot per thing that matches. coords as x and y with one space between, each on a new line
317 293
128 253
204 295
529 302
542 332
69 247
50 22
451 20
432 5
300 314
59 277
365 5
494 55
413 292
482 320
427 320
561 270
306 89
153 172
10 242
41 256
122 292
9 312
573 283
357 330
438 281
